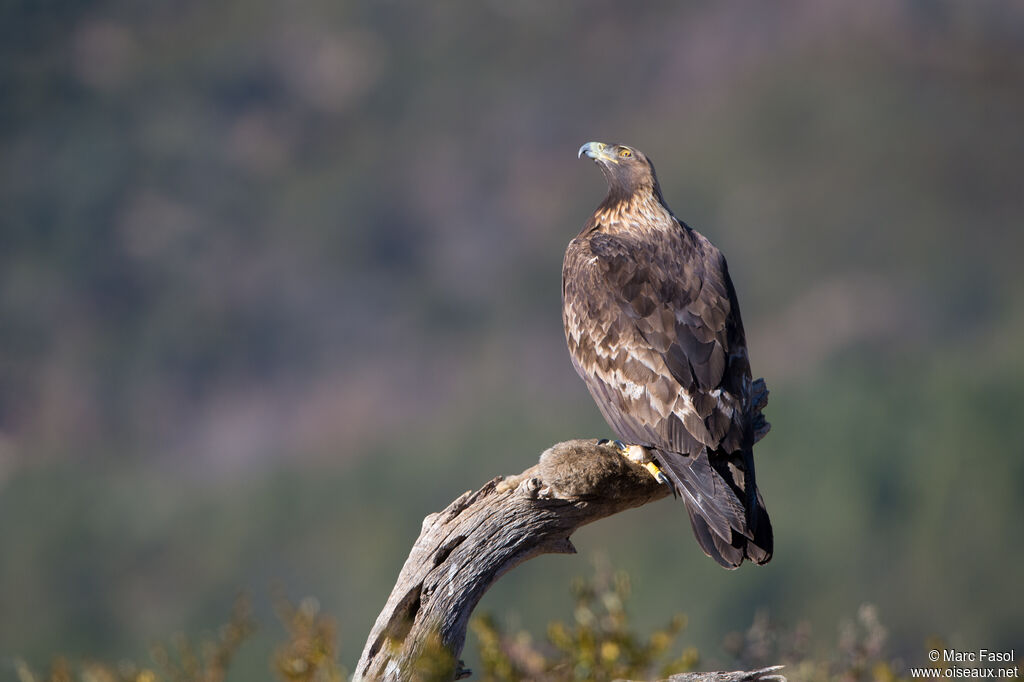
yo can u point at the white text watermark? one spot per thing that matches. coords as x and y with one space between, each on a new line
969 664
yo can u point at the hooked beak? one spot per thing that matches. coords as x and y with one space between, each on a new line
598 151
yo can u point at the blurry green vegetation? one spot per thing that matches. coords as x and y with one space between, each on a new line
307 655
206 661
310 653
277 280
600 643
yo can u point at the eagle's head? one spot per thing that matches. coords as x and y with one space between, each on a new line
626 168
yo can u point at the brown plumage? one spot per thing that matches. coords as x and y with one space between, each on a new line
654 330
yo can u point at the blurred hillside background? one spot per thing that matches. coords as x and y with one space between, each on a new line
277 279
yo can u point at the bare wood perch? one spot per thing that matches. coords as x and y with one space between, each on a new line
771 674
464 549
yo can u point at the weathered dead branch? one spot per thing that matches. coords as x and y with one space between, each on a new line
464 549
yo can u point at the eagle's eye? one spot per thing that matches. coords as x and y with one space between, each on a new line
625 153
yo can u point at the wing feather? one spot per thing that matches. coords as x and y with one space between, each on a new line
654 340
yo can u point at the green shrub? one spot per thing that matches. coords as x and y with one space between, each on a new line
598 644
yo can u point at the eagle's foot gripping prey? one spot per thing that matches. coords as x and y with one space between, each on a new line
641 455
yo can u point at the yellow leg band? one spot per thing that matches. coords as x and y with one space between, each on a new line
655 471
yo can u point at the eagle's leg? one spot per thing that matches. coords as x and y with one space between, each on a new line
642 456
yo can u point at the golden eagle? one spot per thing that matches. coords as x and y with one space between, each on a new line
654 330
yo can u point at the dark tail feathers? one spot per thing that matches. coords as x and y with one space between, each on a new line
728 517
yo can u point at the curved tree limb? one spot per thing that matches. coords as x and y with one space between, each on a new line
770 674
464 549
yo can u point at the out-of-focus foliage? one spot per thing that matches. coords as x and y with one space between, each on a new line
602 644
180 661
208 661
310 654
859 654
278 279
599 644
